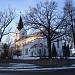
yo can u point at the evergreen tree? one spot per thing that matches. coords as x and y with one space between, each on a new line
66 52
5 54
64 49
54 52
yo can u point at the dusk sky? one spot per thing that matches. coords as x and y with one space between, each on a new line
22 5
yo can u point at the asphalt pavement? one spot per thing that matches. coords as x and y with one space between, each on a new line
31 69
43 72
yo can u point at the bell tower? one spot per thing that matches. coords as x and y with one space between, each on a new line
20 31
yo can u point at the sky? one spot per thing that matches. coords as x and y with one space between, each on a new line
22 5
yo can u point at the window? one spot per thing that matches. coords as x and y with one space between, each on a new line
41 45
19 53
16 34
57 43
23 33
44 51
26 51
39 51
32 53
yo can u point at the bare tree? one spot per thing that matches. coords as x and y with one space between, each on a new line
69 22
44 17
6 17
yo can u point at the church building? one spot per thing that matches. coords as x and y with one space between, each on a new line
21 38
33 45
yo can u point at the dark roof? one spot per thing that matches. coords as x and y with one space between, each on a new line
20 24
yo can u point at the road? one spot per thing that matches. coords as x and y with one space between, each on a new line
52 72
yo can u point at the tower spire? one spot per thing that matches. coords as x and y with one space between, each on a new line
20 24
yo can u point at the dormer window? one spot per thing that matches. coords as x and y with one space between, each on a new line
23 33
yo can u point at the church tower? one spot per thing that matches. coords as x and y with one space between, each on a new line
20 31
20 24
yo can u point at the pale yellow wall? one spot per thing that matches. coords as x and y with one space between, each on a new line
16 34
26 40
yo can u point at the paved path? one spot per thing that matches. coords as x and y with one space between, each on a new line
54 72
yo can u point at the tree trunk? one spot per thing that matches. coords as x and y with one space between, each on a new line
72 26
0 39
49 46
73 37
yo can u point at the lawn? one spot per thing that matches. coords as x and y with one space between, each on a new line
43 62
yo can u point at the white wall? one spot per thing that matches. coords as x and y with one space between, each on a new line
36 50
23 33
